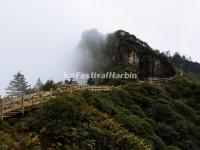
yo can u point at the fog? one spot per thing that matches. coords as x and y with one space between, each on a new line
40 37
91 51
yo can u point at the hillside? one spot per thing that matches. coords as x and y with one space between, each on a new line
165 116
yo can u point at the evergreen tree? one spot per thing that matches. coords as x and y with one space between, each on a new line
50 84
18 86
66 82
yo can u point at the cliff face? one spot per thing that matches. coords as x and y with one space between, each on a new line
123 47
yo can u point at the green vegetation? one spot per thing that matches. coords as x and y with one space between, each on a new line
48 86
165 115
5 140
139 116
186 64
70 123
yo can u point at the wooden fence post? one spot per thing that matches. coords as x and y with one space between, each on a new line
1 105
22 104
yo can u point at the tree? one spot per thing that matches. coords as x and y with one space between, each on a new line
39 84
18 86
168 54
177 56
48 85
66 82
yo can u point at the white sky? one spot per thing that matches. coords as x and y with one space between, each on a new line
38 37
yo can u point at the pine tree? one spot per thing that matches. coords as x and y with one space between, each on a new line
18 86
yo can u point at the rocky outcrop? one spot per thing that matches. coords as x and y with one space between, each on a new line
126 48
133 58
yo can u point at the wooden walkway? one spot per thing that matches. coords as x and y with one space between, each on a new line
160 80
10 107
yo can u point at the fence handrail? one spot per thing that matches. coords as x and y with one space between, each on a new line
155 79
19 104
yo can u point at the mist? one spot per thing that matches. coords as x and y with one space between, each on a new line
40 37
90 51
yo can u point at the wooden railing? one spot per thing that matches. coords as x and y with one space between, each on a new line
155 79
12 106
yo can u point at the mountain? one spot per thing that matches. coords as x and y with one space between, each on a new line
140 115
122 52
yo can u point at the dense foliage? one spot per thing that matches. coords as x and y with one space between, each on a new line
48 85
70 123
166 116
186 64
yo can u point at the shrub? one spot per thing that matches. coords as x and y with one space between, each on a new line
5 140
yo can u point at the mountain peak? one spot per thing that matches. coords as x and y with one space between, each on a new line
120 50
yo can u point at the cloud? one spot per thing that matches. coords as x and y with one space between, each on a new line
90 50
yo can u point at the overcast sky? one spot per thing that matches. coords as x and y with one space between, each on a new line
38 37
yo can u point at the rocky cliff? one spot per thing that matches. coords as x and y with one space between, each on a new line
123 47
